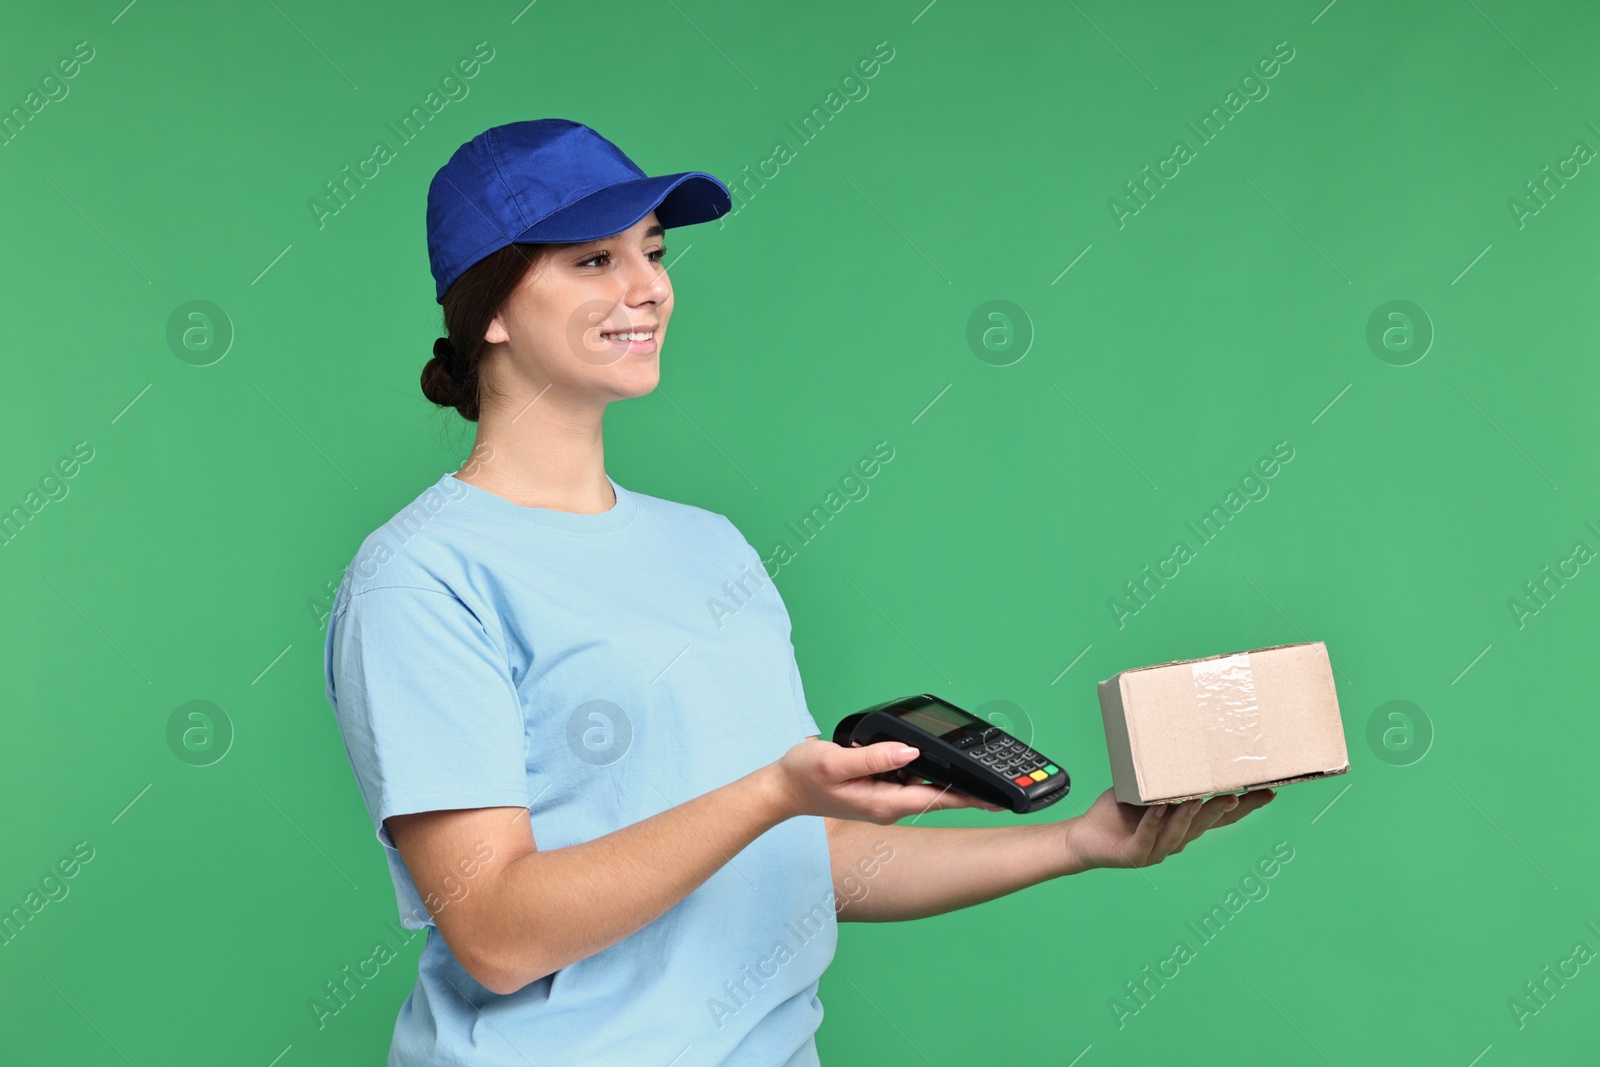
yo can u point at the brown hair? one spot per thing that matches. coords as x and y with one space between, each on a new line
450 379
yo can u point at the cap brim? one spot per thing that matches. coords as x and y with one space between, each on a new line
677 199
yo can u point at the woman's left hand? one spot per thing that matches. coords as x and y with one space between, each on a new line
1112 834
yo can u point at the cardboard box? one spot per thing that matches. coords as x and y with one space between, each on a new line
1246 720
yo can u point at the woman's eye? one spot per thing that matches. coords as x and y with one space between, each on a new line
658 254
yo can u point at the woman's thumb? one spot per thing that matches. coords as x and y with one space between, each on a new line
887 755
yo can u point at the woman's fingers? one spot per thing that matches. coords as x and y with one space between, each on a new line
1255 798
1141 846
866 760
1223 810
1212 813
918 798
1175 830
1242 806
1149 826
912 796
1164 829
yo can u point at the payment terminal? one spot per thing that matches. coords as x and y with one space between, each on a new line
958 750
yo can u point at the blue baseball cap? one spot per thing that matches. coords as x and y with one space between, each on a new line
549 181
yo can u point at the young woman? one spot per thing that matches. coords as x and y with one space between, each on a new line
573 710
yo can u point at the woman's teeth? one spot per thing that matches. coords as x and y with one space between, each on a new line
632 336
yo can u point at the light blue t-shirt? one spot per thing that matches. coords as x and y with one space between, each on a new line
595 669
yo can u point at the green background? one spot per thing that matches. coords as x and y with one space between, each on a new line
192 556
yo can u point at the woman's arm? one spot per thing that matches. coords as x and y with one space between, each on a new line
890 873
525 913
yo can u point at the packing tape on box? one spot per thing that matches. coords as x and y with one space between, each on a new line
1225 694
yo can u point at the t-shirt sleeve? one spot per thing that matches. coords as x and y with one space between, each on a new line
807 724
422 690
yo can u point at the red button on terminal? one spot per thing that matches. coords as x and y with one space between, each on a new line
1023 780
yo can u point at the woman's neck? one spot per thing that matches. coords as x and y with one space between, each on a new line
541 465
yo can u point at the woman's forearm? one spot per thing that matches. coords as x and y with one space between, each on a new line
891 873
555 906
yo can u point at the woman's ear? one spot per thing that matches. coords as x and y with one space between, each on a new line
496 333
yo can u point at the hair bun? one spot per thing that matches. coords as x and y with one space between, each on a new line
444 351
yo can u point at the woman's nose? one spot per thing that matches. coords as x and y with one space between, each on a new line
646 280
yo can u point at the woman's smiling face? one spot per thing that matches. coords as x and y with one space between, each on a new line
567 324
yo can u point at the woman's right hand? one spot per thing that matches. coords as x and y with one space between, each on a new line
818 777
